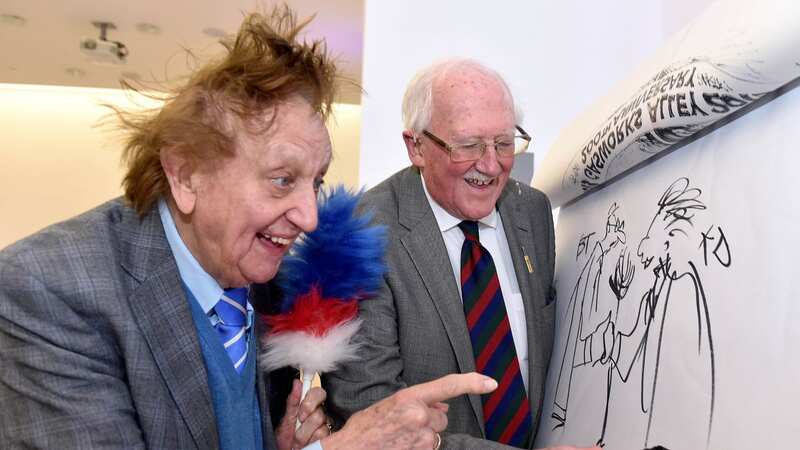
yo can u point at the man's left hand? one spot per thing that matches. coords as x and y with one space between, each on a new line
313 421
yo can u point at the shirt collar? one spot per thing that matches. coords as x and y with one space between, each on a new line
447 221
204 287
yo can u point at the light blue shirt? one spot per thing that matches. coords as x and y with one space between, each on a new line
204 288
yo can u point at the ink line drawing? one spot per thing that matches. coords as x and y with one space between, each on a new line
605 326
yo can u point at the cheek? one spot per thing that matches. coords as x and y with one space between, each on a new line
258 212
506 165
455 174
241 238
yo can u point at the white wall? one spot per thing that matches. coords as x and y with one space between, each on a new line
55 162
558 57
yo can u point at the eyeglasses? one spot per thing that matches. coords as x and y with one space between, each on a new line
505 146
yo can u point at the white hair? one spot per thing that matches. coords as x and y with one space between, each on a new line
418 98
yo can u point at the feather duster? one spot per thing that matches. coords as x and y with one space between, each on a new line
322 280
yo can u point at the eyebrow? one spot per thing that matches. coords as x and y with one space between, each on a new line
482 138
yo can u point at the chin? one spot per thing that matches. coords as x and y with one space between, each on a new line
477 213
260 275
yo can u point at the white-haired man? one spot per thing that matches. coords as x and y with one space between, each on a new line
471 260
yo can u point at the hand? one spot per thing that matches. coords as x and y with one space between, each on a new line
409 419
622 277
313 421
609 336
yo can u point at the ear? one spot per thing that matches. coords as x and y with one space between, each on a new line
180 172
414 148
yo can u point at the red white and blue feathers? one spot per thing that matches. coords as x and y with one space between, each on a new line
327 273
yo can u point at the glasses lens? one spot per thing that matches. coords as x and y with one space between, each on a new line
505 146
466 152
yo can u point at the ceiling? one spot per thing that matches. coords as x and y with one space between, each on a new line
43 48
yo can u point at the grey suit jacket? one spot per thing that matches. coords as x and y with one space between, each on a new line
414 331
97 344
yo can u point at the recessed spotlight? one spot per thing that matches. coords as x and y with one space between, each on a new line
12 20
75 72
148 28
215 32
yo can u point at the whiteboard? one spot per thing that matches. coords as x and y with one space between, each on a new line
678 297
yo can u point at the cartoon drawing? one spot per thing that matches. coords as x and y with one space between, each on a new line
646 343
590 316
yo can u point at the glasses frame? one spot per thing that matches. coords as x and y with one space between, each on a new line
449 147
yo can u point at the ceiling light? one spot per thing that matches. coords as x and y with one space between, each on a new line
12 20
148 28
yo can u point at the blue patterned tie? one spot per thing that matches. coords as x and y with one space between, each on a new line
232 312
506 411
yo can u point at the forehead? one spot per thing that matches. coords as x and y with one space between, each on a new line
469 98
291 129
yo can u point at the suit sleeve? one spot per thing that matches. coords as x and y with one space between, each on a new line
62 382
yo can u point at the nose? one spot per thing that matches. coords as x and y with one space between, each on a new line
303 213
640 248
488 163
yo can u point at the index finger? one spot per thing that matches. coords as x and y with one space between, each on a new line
450 386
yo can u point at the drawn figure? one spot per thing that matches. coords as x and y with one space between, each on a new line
590 315
649 339
681 407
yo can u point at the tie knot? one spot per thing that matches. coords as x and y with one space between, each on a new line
470 229
238 295
231 308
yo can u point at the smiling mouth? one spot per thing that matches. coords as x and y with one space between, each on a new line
647 261
479 182
274 240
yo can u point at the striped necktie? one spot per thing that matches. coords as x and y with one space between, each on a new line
232 326
506 411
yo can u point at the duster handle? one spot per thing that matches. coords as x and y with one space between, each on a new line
306 377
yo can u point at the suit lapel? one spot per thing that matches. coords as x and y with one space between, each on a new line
521 246
427 251
163 315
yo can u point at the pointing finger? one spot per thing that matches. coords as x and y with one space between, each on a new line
450 386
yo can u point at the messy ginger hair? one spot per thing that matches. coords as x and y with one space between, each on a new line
264 65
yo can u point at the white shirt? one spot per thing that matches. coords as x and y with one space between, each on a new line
493 238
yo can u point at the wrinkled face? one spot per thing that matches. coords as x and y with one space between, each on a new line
249 208
468 106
